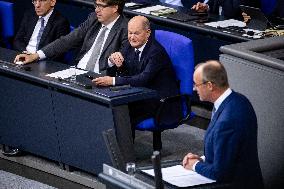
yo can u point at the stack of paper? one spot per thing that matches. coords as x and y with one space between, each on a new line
181 177
67 73
226 23
159 9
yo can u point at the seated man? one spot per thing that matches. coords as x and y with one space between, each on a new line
227 8
103 33
230 144
40 27
143 62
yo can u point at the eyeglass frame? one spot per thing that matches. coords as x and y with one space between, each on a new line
199 84
40 1
101 6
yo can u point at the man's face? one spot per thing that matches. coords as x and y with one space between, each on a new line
43 7
137 34
200 86
105 13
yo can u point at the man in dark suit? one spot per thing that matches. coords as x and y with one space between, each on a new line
230 145
32 35
143 62
227 8
103 33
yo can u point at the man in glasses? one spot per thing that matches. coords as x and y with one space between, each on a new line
104 32
40 26
230 143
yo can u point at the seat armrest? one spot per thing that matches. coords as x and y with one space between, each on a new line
173 110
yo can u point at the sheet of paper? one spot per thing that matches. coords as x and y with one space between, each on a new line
226 23
179 176
147 10
67 73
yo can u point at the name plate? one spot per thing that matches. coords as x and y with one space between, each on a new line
125 178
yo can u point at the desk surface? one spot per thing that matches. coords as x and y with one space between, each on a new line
189 25
38 71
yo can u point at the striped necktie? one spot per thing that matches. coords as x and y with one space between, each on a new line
97 50
40 32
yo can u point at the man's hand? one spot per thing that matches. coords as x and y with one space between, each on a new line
200 7
246 17
26 58
189 160
103 81
116 58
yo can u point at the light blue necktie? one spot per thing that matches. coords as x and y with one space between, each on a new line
40 32
213 112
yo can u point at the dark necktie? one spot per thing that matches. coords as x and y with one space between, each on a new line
40 32
136 56
96 51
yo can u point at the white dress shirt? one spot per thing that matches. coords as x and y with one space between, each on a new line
172 2
31 47
83 62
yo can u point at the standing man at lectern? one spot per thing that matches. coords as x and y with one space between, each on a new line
143 62
103 33
227 8
230 144
40 26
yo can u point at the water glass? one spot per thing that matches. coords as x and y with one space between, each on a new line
130 168
73 71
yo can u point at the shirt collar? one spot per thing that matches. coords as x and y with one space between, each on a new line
141 48
46 17
221 98
110 25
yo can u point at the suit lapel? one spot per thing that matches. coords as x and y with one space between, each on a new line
47 28
219 111
112 34
31 26
144 55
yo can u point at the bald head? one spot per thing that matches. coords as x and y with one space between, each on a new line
215 72
138 31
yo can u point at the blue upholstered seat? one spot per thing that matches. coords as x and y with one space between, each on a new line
180 50
267 6
6 21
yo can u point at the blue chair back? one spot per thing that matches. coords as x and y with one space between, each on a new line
180 50
267 6
7 19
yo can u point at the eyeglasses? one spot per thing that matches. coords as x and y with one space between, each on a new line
101 6
199 84
38 1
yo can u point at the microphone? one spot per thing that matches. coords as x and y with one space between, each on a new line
156 160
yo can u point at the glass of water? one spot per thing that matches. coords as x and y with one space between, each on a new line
73 72
130 168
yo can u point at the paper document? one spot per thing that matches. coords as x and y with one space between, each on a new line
181 177
67 73
226 23
148 10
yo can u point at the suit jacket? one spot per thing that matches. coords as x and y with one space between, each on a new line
154 71
84 37
56 27
231 8
231 145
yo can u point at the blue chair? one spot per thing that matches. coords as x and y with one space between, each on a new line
267 6
180 50
7 22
